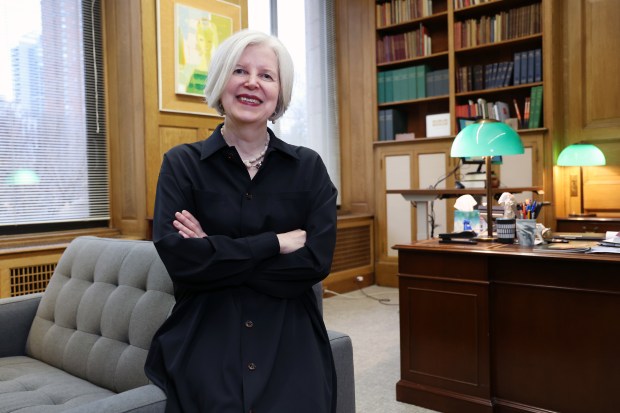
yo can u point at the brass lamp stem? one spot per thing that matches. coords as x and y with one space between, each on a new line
487 165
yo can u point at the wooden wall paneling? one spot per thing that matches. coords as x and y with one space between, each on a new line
589 110
355 46
593 82
125 112
166 129
553 11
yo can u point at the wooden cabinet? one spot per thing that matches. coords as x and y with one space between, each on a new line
499 328
588 224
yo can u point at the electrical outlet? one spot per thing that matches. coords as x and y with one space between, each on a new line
359 278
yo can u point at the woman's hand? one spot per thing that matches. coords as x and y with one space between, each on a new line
187 225
291 241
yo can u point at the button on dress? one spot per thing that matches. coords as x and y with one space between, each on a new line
246 333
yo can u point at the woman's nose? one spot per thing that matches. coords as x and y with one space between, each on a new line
252 80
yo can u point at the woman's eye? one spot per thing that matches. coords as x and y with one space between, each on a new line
267 76
238 71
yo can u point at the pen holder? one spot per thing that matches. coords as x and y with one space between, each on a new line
526 232
506 228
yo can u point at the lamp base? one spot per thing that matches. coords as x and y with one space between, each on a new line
484 237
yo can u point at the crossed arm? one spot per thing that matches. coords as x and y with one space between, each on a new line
188 227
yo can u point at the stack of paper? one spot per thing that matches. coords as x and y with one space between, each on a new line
611 244
612 239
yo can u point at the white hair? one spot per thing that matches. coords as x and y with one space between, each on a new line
226 58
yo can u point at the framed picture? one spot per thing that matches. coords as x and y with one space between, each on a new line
188 32
462 122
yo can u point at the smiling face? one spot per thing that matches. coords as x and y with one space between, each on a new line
251 94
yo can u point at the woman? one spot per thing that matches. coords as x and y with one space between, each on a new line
246 225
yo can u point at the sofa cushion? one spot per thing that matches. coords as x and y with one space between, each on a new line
100 311
39 387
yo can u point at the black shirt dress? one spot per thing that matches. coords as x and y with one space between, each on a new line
246 333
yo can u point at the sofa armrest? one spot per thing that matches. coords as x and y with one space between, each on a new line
342 350
16 315
144 399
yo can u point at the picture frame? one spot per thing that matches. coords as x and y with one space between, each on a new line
188 32
461 123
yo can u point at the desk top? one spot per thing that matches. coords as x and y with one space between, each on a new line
496 248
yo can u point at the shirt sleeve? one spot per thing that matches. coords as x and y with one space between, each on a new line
290 275
206 263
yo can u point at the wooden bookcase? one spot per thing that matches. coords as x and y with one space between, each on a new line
518 31
445 23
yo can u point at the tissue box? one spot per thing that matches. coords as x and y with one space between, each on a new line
467 220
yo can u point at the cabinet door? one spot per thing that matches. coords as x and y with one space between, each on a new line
398 210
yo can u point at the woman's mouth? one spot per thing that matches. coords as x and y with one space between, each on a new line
249 100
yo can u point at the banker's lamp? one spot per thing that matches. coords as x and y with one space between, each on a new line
581 154
487 138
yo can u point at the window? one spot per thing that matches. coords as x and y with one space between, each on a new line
53 153
312 117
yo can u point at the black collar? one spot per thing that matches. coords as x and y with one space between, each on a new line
216 142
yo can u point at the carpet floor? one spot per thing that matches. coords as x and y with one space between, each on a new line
373 326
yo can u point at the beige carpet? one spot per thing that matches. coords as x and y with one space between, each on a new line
374 331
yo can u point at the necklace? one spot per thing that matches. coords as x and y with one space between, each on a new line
257 162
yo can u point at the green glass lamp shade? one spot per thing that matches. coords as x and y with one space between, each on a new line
487 137
581 154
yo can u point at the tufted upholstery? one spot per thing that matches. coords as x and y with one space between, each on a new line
81 346
93 327
101 310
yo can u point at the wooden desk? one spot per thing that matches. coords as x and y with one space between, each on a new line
588 224
498 328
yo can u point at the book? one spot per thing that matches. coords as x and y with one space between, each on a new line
395 122
538 65
421 81
430 83
530 66
502 111
405 136
381 87
508 75
474 183
382 124
523 69
389 87
526 113
516 78
535 107
473 176
412 90
518 113
438 125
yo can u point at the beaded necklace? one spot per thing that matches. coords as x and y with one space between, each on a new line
257 162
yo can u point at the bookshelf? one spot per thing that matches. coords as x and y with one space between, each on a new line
447 56
450 57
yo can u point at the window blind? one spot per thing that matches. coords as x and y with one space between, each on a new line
53 153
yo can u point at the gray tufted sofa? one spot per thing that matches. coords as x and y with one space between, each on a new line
81 346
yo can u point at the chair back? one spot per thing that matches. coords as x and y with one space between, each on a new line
97 317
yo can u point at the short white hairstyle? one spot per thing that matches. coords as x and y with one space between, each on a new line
226 58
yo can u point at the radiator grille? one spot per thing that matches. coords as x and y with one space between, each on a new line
352 248
31 279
